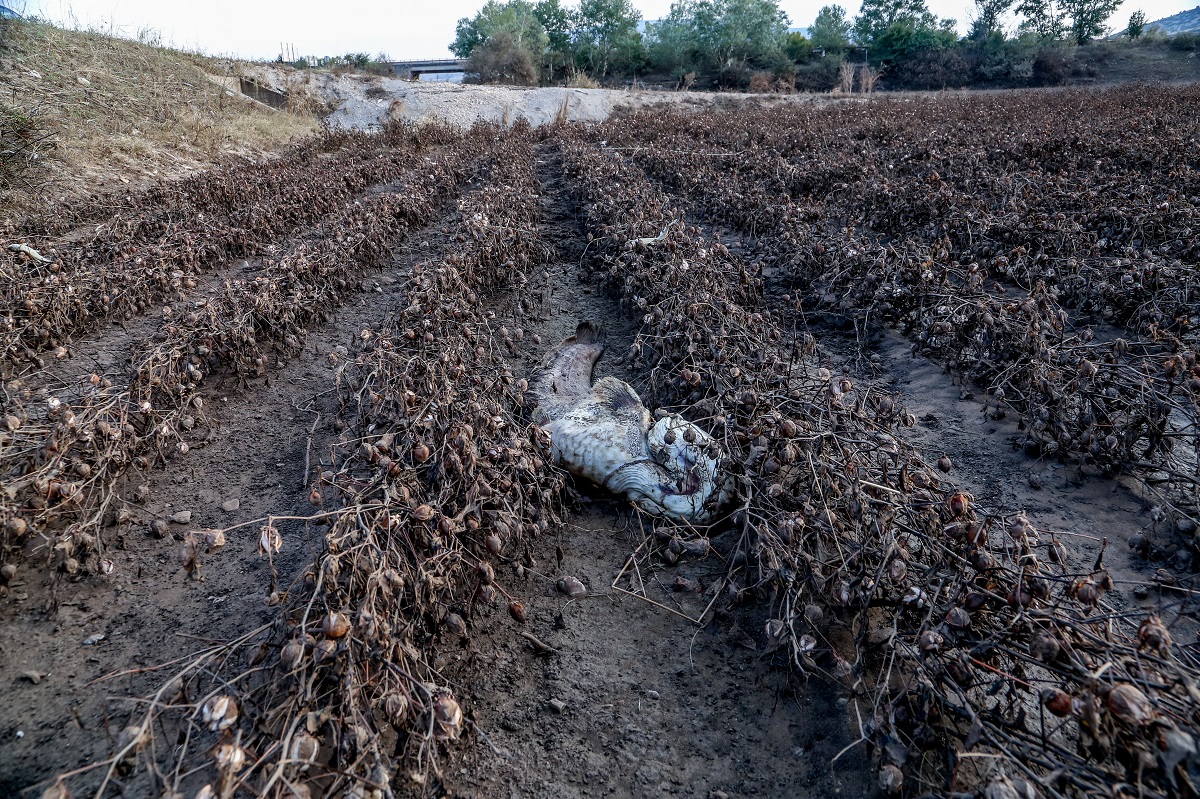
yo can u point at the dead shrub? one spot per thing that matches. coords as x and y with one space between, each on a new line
761 83
846 78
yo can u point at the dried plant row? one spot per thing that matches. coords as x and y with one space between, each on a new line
1109 402
977 658
61 461
155 248
439 475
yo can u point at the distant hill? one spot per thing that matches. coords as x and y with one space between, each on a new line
1183 22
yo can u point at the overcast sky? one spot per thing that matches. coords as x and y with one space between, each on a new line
401 28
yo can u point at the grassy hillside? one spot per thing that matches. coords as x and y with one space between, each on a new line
1183 22
82 112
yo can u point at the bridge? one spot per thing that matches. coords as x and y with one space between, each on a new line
411 70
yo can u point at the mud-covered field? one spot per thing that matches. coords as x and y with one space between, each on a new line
276 521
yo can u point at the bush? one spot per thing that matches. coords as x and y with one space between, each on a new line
733 76
761 83
501 59
820 75
1185 42
1050 67
930 69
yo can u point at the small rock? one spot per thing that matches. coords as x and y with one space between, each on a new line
1141 591
93 639
652 694
182 517
230 505
83 81
158 528
34 677
558 705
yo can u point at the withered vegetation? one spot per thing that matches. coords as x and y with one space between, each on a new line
1048 258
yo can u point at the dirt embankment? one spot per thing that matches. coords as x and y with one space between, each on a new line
366 101
110 113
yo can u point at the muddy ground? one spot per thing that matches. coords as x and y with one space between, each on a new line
636 698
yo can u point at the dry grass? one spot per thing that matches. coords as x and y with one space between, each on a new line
123 112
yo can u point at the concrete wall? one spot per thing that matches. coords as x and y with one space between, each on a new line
255 90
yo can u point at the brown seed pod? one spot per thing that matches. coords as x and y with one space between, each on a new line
335 625
958 618
291 654
1153 635
493 544
304 749
1130 705
944 463
325 651
930 640
1057 701
423 513
517 611
455 624
230 758
220 712
958 504
487 574
1085 590
447 717
395 707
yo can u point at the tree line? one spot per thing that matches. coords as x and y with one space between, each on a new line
734 43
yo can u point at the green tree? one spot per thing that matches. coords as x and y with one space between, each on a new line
515 17
1088 17
875 17
988 14
712 34
673 46
606 36
831 30
1137 24
558 22
751 31
906 37
797 47
1043 18
502 58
